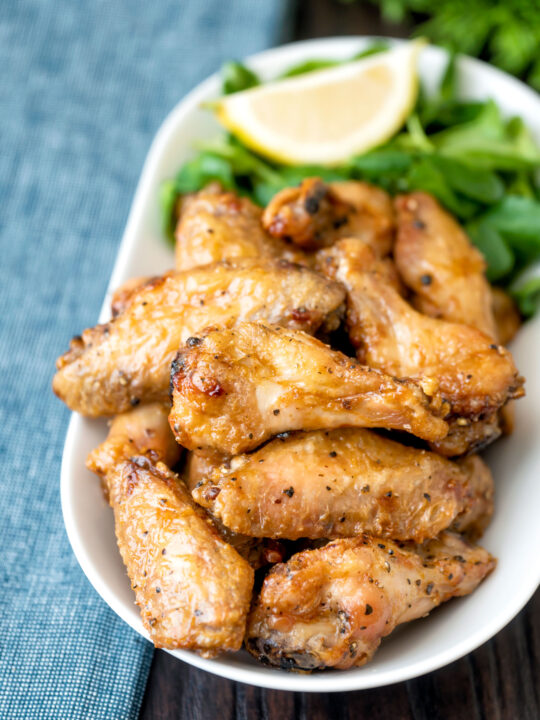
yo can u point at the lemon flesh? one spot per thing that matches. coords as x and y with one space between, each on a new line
326 116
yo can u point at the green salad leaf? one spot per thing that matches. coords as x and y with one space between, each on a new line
527 296
236 77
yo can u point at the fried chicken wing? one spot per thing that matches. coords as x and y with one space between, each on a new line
236 388
126 361
123 296
475 375
216 225
258 552
478 510
342 483
315 214
437 261
192 588
466 436
506 315
332 606
201 463
145 430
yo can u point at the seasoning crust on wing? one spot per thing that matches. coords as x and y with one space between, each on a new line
215 363
474 374
331 607
437 261
343 483
192 588
145 430
314 214
236 388
200 463
126 361
216 225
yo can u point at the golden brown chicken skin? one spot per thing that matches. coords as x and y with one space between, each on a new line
314 214
216 225
145 430
467 435
341 483
474 374
478 511
126 361
201 463
506 315
192 588
332 606
236 388
439 264
123 296
258 552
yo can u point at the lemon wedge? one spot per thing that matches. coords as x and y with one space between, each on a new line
329 115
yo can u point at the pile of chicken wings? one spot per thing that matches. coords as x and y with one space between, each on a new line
296 410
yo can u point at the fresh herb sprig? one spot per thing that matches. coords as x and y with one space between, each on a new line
506 32
480 166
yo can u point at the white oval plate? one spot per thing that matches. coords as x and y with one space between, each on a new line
514 536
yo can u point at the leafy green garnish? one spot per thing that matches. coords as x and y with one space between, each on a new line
375 47
309 66
507 32
499 257
482 167
236 76
527 296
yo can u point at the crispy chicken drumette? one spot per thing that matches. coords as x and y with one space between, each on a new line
233 389
331 607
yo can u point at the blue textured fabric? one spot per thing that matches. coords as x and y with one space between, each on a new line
83 88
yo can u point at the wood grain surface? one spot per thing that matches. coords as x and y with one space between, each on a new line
499 681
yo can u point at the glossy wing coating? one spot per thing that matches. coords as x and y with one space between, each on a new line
343 483
437 261
238 387
126 361
145 430
331 607
315 214
475 375
192 588
216 225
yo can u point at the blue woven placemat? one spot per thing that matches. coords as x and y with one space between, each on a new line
83 88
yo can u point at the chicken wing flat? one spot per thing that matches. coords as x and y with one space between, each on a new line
126 361
437 261
145 431
343 483
475 375
331 607
315 214
216 225
236 388
192 588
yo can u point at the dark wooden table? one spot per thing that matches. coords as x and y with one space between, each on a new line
499 681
